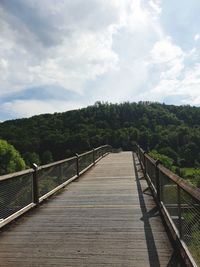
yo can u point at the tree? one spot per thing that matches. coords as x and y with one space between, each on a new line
171 130
165 160
47 157
10 159
30 158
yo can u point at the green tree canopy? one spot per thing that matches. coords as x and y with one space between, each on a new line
10 159
47 157
30 158
171 130
165 160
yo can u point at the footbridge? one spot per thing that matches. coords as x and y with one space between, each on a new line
98 209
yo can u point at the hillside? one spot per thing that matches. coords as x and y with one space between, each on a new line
171 130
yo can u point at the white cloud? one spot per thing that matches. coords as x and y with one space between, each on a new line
64 44
113 50
156 6
165 51
186 88
197 37
167 58
27 108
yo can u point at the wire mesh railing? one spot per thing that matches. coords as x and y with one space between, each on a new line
179 202
53 175
190 227
85 160
22 190
15 194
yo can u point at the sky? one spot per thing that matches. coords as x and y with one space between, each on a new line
57 55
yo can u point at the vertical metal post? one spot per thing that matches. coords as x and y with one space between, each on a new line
158 181
93 155
179 210
61 172
102 152
77 165
35 185
145 164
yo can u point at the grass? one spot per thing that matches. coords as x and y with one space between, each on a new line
192 175
191 171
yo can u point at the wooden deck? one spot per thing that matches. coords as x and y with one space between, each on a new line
105 218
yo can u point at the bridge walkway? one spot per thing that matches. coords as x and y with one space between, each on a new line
107 217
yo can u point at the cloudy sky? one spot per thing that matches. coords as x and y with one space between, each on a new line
57 55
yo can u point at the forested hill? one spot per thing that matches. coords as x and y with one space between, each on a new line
171 130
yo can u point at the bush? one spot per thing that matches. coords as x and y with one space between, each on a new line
166 161
10 159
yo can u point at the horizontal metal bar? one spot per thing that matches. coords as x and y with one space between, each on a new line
16 215
15 174
98 148
55 163
153 161
28 171
182 247
193 191
167 219
67 182
86 153
87 168
42 198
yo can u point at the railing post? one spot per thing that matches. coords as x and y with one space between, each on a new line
61 172
93 155
145 164
179 210
35 185
138 152
158 181
101 151
77 165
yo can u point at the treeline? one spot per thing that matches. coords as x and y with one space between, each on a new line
171 130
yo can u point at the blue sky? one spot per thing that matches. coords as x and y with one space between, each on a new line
61 55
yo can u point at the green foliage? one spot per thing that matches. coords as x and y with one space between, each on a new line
166 161
171 130
10 159
168 151
192 175
47 184
170 194
192 222
30 158
47 157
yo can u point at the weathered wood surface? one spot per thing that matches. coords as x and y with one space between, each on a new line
105 218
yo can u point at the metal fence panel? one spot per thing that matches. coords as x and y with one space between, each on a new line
19 190
85 160
181 200
15 194
190 214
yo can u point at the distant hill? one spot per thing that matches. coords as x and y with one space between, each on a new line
171 130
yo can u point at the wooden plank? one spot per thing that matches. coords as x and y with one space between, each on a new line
105 218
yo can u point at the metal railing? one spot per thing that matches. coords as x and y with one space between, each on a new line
179 203
24 190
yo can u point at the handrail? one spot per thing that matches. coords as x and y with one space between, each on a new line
21 191
55 163
193 191
15 174
153 161
24 172
85 153
179 204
